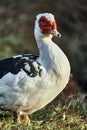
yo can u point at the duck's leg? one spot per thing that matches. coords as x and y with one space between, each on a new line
25 118
16 116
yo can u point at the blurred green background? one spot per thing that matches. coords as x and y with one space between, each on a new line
17 24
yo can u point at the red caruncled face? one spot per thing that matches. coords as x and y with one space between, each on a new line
46 25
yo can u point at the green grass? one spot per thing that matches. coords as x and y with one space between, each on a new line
64 113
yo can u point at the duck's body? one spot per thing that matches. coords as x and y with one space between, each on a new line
27 90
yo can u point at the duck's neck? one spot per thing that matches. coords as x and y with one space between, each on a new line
44 51
52 57
48 52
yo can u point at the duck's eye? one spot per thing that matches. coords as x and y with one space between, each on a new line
43 20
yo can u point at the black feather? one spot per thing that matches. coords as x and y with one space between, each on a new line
15 64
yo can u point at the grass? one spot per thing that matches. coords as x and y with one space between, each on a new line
64 113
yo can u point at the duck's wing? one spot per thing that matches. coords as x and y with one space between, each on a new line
27 63
14 73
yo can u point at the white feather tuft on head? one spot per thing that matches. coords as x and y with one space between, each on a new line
49 16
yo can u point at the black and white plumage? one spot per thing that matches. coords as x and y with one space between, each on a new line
15 64
28 82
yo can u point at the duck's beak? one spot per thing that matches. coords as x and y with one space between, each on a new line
54 32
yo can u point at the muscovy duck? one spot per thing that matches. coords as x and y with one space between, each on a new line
29 82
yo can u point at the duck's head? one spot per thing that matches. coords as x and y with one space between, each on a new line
45 26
